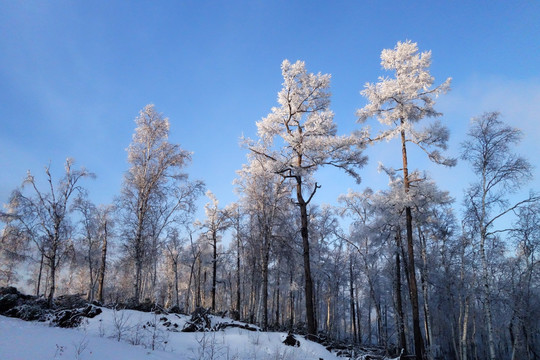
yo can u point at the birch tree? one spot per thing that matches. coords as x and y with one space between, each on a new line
264 196
89 239
106 226
400 103
154 178
44 214
217 221
298 137
500 172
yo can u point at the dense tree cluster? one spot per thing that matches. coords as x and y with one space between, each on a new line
406 273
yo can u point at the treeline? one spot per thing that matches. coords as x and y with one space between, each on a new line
407 274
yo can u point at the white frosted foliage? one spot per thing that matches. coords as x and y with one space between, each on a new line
300 135
402 101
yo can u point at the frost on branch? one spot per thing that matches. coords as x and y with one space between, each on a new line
300 135
405 99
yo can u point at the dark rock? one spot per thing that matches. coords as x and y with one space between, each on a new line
8 301
71 318
9 290
290 340
91 311
145 306
28 312
235 315
176 310
69 301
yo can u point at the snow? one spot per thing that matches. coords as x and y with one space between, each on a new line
111 335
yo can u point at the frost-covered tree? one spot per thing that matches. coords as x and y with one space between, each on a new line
525 302
44 215
298 137
400 103
500 172
154 188
14 249
105 227
217 221
265 197
89 240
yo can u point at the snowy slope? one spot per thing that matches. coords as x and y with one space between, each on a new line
111 335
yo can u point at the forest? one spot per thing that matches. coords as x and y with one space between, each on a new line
403 267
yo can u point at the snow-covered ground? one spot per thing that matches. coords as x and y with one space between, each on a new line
131 335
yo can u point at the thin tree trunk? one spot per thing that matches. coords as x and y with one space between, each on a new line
198 297
353 310
277 296
176 289
402 341
101 274
424 281
487 301
291 302
238 299
138 269
90 296
39 275
465 327
214 270
370 331
52 266
264 273
358 317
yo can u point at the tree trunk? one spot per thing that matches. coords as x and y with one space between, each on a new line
264 273
402 341
214 270
91 289
413 290
198 297
425 292
52 266
310 312
39 275
277 297
291 302
358 317
351 290
138 262
238 304
485 270
487 300
176 289
465 326
101 275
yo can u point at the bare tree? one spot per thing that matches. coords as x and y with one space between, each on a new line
105 227
14 249
217 221
501 172
44 215
89 239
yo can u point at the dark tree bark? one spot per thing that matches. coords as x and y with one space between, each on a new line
102 268
413 289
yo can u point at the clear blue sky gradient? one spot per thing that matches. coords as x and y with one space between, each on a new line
74 74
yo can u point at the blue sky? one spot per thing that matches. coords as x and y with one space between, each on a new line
74 74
